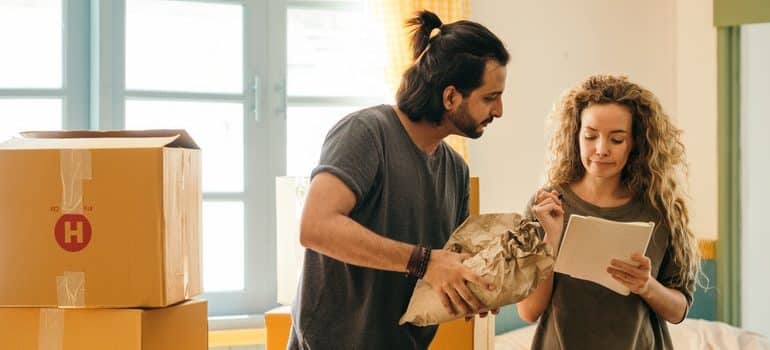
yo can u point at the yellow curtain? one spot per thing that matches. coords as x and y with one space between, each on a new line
393 15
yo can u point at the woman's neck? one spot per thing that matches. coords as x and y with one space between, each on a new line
602 192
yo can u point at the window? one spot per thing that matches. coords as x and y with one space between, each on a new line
218 68
336 63
184 69
205 66
37 90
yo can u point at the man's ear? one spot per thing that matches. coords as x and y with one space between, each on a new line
452 98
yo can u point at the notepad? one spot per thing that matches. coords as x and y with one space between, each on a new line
590 243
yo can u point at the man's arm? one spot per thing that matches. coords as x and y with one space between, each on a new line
327 229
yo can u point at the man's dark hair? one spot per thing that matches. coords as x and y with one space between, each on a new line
456 55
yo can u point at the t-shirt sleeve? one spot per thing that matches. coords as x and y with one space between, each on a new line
669 275
351 153
464 207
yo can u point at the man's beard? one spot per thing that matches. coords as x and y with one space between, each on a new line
462 120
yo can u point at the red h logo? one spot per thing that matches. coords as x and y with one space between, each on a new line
73 232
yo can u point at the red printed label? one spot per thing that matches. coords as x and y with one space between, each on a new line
73 232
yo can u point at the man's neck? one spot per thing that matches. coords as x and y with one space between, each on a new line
425 135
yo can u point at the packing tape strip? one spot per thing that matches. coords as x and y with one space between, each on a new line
51 332
186 160
192 222
71 289
174 214
75 166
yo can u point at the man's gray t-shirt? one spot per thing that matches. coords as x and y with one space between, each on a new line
401 193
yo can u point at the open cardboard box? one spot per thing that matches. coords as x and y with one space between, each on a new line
100 219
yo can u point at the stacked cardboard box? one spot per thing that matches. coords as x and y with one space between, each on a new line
100 241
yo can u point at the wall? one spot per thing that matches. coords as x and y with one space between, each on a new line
669 47
696 94
755 164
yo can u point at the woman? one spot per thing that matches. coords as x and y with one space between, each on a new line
616 155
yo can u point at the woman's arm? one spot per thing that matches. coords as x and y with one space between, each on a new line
669 303
549 213
531 307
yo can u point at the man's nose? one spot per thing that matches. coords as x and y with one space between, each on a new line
497 110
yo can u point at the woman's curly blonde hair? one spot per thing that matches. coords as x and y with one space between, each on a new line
656 164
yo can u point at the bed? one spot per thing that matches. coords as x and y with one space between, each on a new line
690 334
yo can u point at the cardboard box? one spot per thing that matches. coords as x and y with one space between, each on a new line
100 219
455 334
179 327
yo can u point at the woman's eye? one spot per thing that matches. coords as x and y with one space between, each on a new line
617 141
589 137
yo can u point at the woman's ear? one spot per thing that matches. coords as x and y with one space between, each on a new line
452 98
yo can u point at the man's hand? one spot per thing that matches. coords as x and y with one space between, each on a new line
549 212
448 277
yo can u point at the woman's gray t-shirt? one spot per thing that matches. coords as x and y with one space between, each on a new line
585 315
401 193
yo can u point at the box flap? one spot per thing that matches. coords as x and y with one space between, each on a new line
101 139
180 137
21 143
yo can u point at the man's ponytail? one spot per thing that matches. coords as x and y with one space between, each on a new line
422 25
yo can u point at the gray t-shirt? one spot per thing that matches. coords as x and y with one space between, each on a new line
401 193
585 315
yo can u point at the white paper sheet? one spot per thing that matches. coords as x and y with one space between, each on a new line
590 243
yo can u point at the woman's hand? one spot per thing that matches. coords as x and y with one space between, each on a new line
636 277
549 212
669 303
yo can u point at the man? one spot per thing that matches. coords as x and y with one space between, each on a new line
388 192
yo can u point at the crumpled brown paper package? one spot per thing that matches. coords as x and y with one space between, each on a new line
504 249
